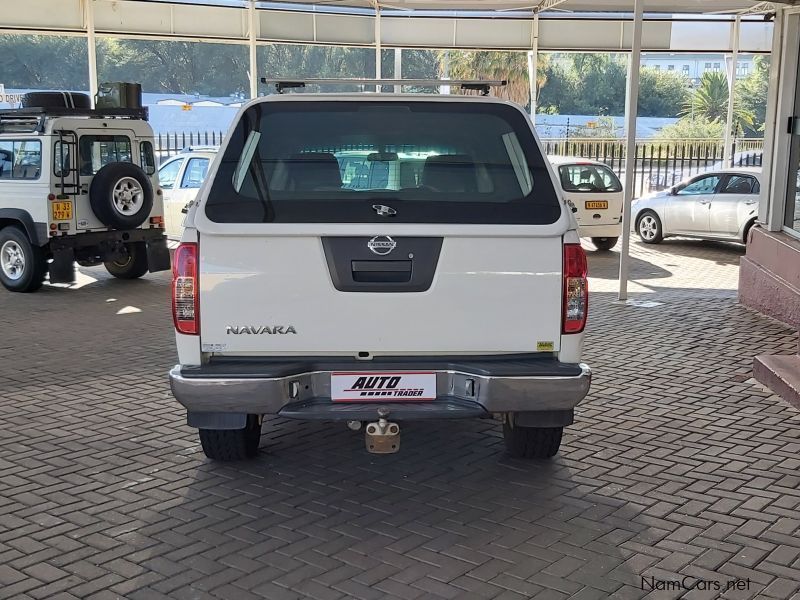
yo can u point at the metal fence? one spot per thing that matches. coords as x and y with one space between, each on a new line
170 144
659 163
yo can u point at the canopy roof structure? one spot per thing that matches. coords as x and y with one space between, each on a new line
563 25
594 6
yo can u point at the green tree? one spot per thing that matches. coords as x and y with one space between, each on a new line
662 93
43 62
594 84
697 128
175 67
751 95
710 101
509 66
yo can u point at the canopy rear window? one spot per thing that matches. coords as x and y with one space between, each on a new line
433 162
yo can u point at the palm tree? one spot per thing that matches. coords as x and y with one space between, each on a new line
511 66
710 100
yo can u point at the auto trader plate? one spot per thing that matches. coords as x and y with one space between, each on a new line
596 204
372 386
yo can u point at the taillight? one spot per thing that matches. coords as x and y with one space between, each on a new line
185 292
576 289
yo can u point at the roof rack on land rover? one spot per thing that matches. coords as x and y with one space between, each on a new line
32 118
483 86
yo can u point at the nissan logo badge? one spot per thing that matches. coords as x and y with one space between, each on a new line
381 245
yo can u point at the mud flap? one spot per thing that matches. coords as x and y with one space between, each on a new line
158 255
62 269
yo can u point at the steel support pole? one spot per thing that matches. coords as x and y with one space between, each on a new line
631 112
377 45
729 133
252 18
398 68
533 65
91 44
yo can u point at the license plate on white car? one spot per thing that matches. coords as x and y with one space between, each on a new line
383 387
596 204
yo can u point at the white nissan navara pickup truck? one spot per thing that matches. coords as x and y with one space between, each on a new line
456 288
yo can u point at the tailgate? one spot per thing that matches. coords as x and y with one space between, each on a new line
321 295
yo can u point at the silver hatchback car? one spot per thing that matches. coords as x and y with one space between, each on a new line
718 205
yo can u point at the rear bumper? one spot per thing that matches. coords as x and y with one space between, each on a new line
300 389
613 230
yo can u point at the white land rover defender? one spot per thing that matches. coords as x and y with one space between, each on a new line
77 184
458 290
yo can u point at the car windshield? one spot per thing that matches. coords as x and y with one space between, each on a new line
588 178
432 162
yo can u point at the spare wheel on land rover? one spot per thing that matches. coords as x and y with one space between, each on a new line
121 195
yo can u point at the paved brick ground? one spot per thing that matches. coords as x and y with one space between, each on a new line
678 465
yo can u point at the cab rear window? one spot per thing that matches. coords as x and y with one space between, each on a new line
588 178
432 162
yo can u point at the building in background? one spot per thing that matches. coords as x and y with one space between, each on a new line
694 65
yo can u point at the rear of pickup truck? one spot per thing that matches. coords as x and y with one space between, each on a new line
454 288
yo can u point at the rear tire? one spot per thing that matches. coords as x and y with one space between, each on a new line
131 267
232 444
22 265
604 243
649 228
532 442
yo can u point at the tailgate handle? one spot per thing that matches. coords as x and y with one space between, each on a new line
381 271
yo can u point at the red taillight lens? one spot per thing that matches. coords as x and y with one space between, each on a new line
576 289
185 292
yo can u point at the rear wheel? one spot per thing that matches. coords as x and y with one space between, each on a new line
531 442
232 444
648 226
22 265
132 265
604 243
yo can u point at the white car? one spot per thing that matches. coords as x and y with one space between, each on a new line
459 294
720 205
181 177
595 192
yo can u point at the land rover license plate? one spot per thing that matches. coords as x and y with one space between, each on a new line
61 211
373 386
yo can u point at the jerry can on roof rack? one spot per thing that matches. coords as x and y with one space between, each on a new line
119 94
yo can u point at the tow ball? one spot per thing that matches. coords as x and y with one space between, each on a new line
382 436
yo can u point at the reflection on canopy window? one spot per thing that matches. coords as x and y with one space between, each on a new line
325 161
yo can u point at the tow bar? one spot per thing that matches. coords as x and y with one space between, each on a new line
382 436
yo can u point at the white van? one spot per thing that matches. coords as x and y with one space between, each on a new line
593 189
